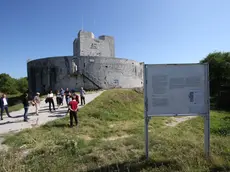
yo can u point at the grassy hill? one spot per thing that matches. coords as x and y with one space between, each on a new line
110 137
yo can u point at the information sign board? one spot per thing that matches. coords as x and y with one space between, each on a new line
177 90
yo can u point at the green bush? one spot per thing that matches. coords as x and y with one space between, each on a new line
219 70
22 84
11 85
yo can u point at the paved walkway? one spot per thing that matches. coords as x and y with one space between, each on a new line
16 123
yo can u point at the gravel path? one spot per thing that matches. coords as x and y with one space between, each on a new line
177 120
16 123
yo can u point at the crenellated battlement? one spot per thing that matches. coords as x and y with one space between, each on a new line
87 45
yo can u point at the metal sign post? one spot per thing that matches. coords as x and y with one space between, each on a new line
207 119
207 135
147 138
146 115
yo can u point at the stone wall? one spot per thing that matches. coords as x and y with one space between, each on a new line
112 72
90 72
53 73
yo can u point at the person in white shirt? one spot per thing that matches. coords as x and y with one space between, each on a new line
37 102
50 97
4 106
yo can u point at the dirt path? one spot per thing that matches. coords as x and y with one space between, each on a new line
177 120
16 123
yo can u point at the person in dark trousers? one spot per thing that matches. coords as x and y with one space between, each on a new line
67 96
58 98
73 107
50 99
25 103
4 105
82 95
62 91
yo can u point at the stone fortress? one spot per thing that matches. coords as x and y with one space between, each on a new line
92 66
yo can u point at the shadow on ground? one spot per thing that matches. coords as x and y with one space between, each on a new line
44 110
57 116
62 107
61 112
10 122
56 126
21 116
137 166
220 169
16 121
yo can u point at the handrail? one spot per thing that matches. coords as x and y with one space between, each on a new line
83 73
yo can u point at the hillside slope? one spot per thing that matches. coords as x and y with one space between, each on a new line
110 136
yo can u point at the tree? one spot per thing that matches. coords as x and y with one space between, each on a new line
7 84
11 85
22 85
219 70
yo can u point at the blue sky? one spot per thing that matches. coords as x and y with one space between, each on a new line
152 31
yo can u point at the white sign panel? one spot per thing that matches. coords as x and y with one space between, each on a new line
176 89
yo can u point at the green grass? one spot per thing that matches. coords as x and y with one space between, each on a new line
15 107
13 95
110 136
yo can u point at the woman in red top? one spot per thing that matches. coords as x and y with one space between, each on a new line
73 107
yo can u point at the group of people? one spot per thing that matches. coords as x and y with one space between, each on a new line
61 94
25 101
72 101
71 98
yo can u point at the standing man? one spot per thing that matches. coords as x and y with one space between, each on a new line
25 103
37 102
58 99
73 107
4 105
50 97
67 96
62 91
82 95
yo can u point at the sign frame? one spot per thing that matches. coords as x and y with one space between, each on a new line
206 116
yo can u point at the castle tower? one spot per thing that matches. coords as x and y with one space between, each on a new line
87 45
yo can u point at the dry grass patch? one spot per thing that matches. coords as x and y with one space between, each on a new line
112 138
